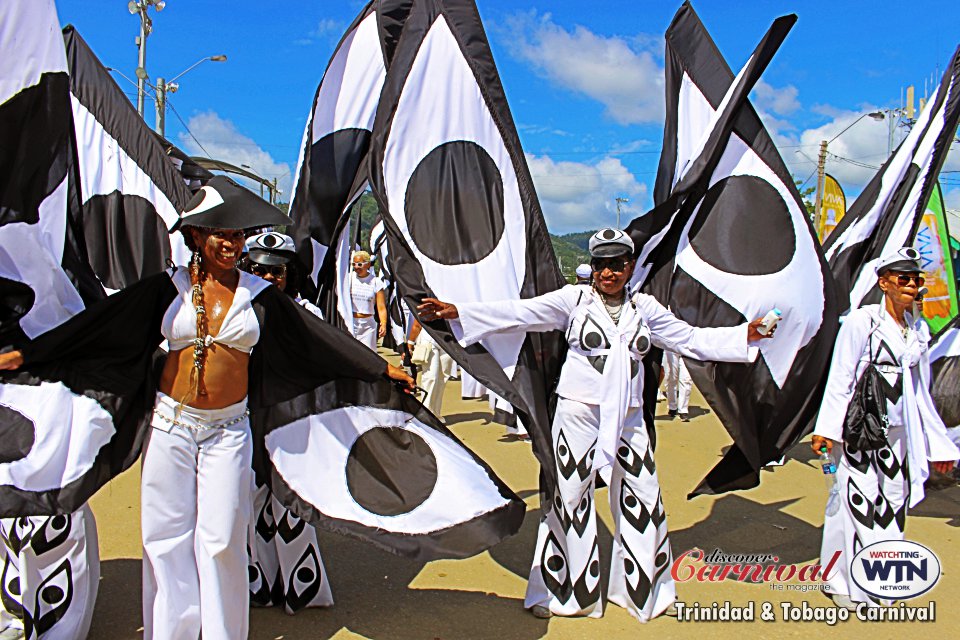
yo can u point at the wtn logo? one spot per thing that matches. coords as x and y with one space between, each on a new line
902 570
895 569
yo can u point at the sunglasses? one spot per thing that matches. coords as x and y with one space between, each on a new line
903 279
616 265
261 270
362 263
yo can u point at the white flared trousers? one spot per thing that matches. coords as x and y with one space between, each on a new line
195 512
874 494
434 378
678 382
565 576
365 330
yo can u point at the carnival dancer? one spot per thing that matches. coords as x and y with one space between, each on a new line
367 295
278 538
599 427
877 487
225 329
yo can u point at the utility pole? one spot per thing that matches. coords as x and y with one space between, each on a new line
818 203
145 28
161 106
619 202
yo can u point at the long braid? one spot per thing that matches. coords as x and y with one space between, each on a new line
197 276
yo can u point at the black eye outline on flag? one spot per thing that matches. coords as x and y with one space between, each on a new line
311 456
491 234
703 256
43 404
338 130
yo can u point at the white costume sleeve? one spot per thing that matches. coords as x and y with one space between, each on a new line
547 312
842 379
715 344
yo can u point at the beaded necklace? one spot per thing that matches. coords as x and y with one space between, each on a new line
613 310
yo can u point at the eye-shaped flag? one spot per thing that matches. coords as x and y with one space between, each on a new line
458 203
132 193
377 465
729 240
338 130
887 214
44 278
945 363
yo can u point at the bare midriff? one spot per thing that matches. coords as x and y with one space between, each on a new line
225 376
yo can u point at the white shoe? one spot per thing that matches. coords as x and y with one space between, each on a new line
843 601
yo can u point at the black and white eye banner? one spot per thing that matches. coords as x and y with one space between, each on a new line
132 192
35 167
945 365
338 132
37 454
478 252
458 204
391 474
886 215
729 240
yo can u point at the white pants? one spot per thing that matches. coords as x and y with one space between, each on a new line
50 551
565 576
678 382
195 511
365 330
285 565
874 494
434 378
470 387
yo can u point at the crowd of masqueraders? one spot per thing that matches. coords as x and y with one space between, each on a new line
198 492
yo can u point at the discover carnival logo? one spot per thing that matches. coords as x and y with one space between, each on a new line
895 569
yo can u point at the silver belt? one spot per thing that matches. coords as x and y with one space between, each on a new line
200 427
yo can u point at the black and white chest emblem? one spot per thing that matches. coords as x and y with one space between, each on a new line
592 337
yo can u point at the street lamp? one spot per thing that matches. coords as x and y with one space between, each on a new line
139 7
165 86
619 202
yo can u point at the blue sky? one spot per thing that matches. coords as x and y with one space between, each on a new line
583 80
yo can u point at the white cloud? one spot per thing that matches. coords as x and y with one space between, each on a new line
576 196
620 73
221 140
781 100
326 28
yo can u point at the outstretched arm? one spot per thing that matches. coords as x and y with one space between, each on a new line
478 320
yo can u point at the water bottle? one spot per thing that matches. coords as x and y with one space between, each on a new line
769 321
830 477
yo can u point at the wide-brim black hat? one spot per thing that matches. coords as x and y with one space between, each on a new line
224 204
